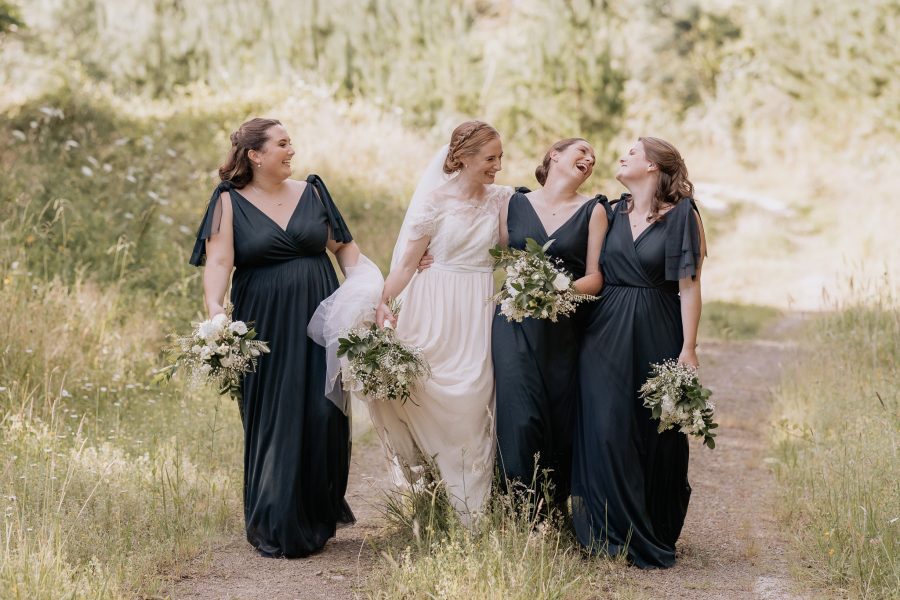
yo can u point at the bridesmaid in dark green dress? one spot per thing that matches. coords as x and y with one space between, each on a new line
535 360
274 232
629 483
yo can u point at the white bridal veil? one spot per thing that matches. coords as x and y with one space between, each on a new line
354 303
433 178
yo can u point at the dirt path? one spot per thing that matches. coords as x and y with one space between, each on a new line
731 546
235 571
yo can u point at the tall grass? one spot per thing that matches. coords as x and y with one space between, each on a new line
838 443
106 482
516 550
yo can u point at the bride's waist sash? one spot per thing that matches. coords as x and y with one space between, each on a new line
461 268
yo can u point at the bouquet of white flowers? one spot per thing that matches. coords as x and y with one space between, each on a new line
675 396
535 285
378 365
219 351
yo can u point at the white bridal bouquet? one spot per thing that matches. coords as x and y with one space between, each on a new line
535 285
378 365
219 351
675 396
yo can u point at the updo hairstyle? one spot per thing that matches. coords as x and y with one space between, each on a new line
466 140
541 172
251 135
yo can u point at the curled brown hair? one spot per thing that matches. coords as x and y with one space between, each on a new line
544 168
673 183
466 140
251 135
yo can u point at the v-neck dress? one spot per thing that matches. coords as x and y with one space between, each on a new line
630 489
535 366
297 442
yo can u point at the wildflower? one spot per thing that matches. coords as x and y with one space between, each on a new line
238 327
19 135
561 282
87 171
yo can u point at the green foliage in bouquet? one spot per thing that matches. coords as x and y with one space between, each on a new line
535 286
378 365
219 351
675 397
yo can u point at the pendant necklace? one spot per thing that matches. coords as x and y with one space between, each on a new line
275 202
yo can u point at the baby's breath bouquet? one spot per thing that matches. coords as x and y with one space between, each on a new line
535 285
378 365
218 351
675 396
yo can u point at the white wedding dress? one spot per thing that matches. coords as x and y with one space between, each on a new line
447 312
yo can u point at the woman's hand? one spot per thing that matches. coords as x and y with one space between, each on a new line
689 357
216 310
425 262
384 315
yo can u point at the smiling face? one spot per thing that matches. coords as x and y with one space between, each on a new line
576 160
633 165
274 158
483 165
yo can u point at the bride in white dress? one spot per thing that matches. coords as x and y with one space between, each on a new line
446 311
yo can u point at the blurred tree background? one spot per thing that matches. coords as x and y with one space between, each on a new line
538 68
775 98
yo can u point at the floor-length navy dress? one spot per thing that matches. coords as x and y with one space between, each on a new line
535 365
297 442
629 483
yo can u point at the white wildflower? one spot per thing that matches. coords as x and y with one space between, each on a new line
238 327
561 282
207 330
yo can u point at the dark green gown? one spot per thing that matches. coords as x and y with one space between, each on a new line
297 442
629 483
535 366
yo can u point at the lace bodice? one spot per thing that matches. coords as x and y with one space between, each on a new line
461 231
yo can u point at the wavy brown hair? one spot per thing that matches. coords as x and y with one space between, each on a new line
673 183
252 135
466 140
544 168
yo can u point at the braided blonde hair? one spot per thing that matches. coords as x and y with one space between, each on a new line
466 140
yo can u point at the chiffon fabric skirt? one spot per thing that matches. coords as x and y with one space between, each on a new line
296 442
449 420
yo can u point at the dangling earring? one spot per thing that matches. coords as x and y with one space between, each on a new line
258 165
